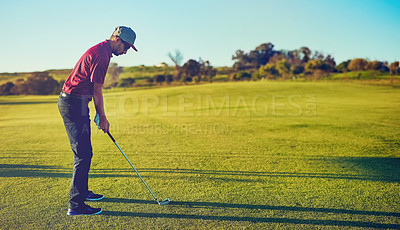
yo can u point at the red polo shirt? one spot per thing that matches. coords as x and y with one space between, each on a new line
91 68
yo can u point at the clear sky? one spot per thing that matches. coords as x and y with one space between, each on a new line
38 35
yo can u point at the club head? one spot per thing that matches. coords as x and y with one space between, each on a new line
164 202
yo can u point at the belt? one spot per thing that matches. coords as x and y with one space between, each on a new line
66 95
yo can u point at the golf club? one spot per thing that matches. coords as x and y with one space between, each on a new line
164 202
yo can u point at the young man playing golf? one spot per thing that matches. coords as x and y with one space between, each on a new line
84 83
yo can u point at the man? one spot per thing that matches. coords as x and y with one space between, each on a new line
84 83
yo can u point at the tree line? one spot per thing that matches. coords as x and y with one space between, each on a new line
191 71
40 83
264 62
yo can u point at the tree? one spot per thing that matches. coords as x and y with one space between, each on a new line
190 69
5 89
372 65
126 82
20 89
255 58
40 83
277 57
241 75
176 58
114 71
159 78
150 80
394 68
178 75
357 64
113 74
283 68
185 79
212 74
317 68
293 57
207 72
318 55
264 52
376 66
306 52
244 61
269 71
169 78
343 67
330 62
255 76
296 70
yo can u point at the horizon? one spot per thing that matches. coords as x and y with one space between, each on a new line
47 35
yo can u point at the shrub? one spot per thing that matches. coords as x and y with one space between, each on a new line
159 78
377 65
221 78
394 68
357 64
126 82
40 83
343 67
241 75
255 76
20 89
5 89
169 78
268 70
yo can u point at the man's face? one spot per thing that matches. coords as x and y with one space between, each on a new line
122 48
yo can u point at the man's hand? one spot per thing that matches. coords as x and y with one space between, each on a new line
102 121
104 124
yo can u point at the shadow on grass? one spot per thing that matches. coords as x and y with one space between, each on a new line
377 168
26 102
370 168
191 204
20 170
255 219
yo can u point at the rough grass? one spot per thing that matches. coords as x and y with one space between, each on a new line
228 155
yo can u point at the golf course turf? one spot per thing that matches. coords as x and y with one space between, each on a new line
286 155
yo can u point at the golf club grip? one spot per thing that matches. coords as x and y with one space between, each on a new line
112 138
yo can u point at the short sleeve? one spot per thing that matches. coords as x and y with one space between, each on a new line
99 70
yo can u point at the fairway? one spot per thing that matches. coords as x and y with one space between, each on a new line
256 155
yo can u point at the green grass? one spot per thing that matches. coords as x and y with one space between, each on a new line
13 77
145 72
229 155
362 75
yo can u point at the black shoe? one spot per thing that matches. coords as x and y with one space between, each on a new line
85 211
94 197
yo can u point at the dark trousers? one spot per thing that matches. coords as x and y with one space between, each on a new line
75 113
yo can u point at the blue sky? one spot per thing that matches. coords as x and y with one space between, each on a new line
41 35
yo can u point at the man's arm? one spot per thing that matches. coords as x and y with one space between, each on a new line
99 105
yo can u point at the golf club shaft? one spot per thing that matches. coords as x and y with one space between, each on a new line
112 138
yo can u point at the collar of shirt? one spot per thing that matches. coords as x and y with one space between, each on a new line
107 45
